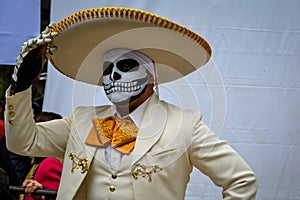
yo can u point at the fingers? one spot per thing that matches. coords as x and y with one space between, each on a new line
48 28
49 35
35 197
46 38
50 51
25 183
31 43
14 75
43 41
34 43
30 186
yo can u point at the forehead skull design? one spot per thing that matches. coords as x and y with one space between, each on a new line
125 76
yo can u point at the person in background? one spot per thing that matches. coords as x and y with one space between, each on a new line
4 186
47 176
2 133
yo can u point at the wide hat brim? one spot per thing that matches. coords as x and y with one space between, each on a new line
86 35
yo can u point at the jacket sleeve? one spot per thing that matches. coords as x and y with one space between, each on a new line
25 137
216 159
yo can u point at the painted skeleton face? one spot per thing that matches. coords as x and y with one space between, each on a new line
125 78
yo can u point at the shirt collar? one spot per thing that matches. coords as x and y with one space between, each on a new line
137 115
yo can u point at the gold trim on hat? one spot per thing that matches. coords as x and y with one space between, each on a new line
139 18
134 14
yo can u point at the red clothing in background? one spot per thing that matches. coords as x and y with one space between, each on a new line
2 133
48 174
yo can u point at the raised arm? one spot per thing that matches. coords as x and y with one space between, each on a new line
23 135
31 60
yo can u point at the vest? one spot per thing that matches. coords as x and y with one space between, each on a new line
105 183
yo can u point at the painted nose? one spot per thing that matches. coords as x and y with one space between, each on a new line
115 76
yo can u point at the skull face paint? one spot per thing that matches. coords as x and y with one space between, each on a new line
125 76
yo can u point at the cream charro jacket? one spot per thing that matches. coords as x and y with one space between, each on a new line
169 138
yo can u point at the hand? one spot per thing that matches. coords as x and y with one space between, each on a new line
31 186
31 59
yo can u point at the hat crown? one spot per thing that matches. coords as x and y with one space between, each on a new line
94 31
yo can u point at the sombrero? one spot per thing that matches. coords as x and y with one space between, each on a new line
86 35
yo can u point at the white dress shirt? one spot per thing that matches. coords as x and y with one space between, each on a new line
113 156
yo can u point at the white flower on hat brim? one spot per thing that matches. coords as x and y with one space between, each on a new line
86 35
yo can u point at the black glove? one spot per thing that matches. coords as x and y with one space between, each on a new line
31 60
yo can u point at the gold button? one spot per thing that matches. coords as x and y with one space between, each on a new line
12 122
114 176
11 113
112 188
10 107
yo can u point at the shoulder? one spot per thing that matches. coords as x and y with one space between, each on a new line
50 163
89 112
50 160
48 168
173 110
185 121
49 173
81 109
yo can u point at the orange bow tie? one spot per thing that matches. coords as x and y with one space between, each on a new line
120 132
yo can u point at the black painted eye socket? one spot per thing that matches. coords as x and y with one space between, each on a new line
127 65
107 68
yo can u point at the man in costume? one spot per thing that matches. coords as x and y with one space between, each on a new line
140 147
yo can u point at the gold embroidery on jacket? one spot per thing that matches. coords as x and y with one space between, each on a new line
143 171
78 163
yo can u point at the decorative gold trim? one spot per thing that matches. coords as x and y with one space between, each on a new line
127 15
130 13
78 162
143 170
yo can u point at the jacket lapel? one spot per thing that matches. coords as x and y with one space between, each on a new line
153 123
152 126
90 150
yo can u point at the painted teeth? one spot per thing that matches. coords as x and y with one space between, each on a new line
123 89
120 84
